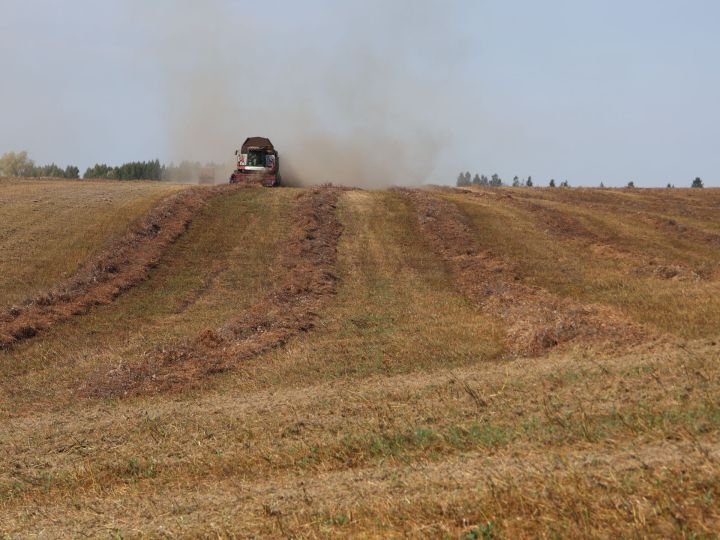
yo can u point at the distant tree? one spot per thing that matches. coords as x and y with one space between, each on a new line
476 180
71 171
564 183
484 180
100 170
697 183
631 184
185 170
670 186
602 186
188 171
52 171
19 164
16 164
516 182
140 170
552 182
468 178
529 182
495 181
185 167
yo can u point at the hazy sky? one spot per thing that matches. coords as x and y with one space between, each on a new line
408 91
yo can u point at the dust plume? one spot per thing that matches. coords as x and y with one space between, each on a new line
352 95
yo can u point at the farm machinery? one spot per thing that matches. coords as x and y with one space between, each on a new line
257 163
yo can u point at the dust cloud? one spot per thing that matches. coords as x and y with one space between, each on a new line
352 95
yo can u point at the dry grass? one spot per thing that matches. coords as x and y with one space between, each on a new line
534 318
109 273
48 228
222 264
308 256
399 414
608 254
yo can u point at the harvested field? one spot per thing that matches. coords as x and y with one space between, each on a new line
617 258
536 320
315 363
49 228
123 264
308 258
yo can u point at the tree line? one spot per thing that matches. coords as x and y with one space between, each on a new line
134 170
185 171
20 164
464 179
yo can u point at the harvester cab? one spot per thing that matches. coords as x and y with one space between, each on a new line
257 163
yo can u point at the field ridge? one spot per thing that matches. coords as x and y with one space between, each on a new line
308 256
537 320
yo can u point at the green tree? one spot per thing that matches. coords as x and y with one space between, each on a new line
133 170
697 183
71 171
552 182
476 180
495 181
529 182
631 184
100 170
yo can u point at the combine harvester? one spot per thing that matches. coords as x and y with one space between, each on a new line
257 163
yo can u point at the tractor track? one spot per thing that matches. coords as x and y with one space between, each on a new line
536 319
125 263
309 258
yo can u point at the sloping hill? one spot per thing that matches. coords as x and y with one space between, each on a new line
48 228
319 363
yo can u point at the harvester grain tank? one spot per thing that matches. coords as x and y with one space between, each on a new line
257 163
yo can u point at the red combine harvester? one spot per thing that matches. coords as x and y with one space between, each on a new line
257 163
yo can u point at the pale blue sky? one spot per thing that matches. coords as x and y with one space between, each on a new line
586 91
